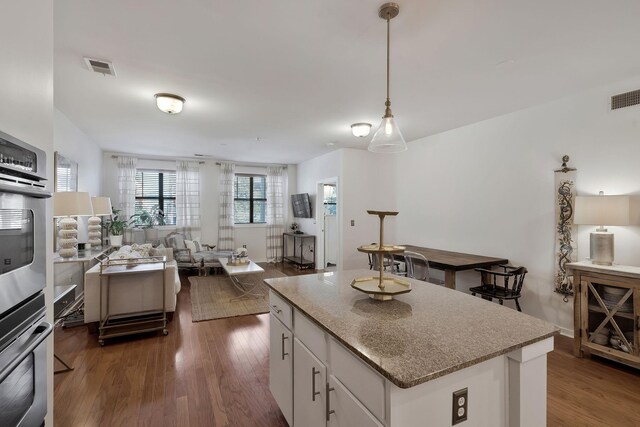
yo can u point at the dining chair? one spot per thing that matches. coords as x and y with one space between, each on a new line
418 267
502 285
388 263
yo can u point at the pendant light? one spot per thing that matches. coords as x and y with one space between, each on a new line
388 138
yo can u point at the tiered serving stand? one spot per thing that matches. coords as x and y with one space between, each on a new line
381 288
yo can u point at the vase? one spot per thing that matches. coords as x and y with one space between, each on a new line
115 240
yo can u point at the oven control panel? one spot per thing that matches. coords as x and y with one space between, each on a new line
16 157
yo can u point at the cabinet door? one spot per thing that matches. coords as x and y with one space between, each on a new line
309 387
281 367
608 319
347 410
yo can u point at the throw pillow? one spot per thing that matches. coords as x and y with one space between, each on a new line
198 246
190 245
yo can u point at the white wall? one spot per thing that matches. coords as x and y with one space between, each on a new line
366 181
26 111
254 236
75 145
488 188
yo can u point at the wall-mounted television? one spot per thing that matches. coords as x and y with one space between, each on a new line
301 205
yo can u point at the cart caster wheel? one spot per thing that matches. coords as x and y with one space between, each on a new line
101 343
165 332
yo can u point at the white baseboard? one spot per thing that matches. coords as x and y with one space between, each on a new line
566 332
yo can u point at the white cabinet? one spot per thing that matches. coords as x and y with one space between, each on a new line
309 387
301 364
281 366
345 410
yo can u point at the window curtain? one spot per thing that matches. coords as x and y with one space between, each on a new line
226 239
126 186
276 186
188 198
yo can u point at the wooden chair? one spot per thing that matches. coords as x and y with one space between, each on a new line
512 279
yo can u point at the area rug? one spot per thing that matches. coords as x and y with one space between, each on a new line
211 296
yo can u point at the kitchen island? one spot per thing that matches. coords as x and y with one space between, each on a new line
431 357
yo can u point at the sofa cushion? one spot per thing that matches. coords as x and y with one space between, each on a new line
190 244
176 241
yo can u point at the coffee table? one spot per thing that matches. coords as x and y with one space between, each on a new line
235 271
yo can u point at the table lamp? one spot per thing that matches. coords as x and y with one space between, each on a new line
602 210
101 207
66 205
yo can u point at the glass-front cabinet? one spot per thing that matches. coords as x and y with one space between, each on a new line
607 311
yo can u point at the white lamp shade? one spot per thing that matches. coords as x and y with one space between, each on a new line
101 206
602 210
71 203
388 138
168 103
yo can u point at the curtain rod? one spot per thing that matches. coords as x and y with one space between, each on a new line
253 165
150 158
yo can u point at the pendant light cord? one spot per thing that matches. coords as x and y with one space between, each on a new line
387 112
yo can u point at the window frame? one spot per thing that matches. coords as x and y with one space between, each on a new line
161 197
251 199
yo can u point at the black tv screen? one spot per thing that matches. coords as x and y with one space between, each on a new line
301 205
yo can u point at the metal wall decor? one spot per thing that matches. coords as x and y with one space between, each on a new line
566 247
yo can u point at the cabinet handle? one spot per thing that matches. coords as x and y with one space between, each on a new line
275 307
283 353
314 393
329 410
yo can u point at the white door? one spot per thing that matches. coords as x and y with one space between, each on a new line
309 387
347 410
281 366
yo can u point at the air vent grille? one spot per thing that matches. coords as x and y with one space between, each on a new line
625 99
103 67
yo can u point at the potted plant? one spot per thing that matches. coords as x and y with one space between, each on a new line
147 219
115 227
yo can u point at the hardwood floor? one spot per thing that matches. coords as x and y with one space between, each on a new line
216 373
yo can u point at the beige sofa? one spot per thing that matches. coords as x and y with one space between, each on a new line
131 293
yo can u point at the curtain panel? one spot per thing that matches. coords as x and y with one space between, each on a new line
226 239
276 190
188 198
127 186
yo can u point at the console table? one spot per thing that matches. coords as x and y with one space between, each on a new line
299 240
607 311
83 258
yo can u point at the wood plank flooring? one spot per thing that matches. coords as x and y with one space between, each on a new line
216 373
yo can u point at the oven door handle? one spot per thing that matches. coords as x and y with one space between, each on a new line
37 337
25 191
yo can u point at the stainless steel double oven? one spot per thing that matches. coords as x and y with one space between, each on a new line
23 329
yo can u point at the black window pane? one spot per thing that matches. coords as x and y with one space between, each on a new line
169 184
241 211
147 184
259 187
259 211
170 211
243 187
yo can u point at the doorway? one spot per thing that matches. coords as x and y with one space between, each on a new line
328 231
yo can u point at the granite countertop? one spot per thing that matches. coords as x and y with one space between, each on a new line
427 333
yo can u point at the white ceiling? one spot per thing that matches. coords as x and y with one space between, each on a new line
297 73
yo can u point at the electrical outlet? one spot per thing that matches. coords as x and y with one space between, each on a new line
353 222
460 406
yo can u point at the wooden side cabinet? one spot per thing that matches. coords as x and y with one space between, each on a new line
607 311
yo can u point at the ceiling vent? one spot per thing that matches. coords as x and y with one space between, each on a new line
103 67
623 100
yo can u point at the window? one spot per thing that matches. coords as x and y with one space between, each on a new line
250 199
330 198
156 188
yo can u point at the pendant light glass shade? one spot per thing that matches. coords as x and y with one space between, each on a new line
388 138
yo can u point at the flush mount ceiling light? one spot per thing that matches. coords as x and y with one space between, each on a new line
169 103
360 129
388 138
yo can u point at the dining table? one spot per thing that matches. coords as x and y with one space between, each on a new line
452 262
